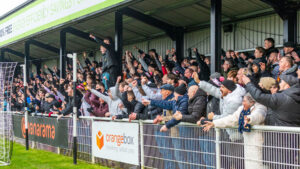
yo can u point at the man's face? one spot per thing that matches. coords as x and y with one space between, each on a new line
207 61
267 44
257 54
151 53
283 85
224 91
102 49
283 64
106 41
50 99
228 54
187 73
288 49
243 56
246 103
165 93
226 66
192 91
121 88
70 91
255 68
239 76
273 57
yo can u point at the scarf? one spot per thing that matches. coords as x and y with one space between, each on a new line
243 128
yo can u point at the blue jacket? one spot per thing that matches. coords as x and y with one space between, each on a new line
180 105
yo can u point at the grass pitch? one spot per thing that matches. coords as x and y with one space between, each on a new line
39 159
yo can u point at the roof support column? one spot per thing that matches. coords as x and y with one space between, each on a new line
215 35
62 54
290 27
179 41
119 39
26 59
2 55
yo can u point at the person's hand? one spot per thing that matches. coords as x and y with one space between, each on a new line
146 102
158 119
84 54
160 59
121 106
119 79
168 51
196 77
199 121
246 120
164 128
195 50
262 66
113 117
298 73
174 58
210 115
59 116
177 115
92 36
208 125
246 79
132 116
107 114
173 50
105 78
88 87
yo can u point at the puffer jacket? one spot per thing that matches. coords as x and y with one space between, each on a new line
196 107
180 105
285 105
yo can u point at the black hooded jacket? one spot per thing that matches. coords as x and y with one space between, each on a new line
285 105
196 107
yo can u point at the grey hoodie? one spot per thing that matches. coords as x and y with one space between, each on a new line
113 103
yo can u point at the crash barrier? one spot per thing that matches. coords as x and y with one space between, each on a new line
123 144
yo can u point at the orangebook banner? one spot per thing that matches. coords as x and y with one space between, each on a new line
44 14
116 141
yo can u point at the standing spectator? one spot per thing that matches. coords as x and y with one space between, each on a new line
250 113
110 68
269 45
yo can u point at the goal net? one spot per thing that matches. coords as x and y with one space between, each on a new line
7 70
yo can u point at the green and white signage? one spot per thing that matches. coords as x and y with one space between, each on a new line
44 14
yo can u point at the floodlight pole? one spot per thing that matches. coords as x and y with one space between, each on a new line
26 106
74 58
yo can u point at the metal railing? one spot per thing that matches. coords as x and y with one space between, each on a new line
187 146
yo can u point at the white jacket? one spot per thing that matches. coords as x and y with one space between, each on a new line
253 140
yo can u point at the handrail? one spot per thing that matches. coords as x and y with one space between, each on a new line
255 127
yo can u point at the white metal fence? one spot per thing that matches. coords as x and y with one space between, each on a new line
186 146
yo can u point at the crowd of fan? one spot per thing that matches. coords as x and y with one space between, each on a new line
259 89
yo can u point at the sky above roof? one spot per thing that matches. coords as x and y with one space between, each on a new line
8 5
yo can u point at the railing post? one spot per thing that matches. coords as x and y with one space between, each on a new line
142 142
93 157
218 149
